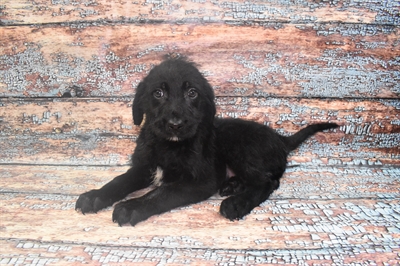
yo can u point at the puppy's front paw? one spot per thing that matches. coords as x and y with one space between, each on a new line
91 202
128 212
235 208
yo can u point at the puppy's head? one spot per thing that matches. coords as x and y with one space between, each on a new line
176 99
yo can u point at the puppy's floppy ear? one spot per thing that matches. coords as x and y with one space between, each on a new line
137 106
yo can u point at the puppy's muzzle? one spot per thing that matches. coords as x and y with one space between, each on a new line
175 125
175 128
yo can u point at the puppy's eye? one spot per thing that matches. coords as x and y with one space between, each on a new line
158 94
192 93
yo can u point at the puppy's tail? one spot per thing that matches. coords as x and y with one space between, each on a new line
292 142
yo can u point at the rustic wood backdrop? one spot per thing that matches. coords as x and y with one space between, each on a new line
68 73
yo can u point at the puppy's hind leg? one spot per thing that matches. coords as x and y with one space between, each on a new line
241 204
232 186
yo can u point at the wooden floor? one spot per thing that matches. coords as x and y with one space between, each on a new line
319 216
68 73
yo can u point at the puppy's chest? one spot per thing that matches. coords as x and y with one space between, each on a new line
166 175
157 176
173 167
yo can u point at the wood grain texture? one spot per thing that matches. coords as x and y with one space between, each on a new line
344 228
50 253
26 12
100 131
300 182
109 59
65 254
282 63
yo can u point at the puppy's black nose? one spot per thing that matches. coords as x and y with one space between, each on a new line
175 124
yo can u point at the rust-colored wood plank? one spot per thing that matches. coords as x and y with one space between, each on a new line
106 59
99 131
54 253
359 226
304 182
41 11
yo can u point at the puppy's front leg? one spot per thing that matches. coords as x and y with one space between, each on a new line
94 200
160 200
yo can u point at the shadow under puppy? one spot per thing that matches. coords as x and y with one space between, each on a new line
185 152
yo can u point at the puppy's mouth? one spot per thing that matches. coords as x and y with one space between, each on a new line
181 135
174 139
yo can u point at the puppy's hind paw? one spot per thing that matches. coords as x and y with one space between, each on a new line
235 208
232 186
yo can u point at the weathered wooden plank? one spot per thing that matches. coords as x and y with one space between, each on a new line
298 182
66 149
106 59
99 131
27 12
351 227
48 253
114 115
72 180
70 116
25 252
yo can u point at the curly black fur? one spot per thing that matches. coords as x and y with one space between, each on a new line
185 151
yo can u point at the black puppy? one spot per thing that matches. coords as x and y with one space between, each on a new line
185 152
